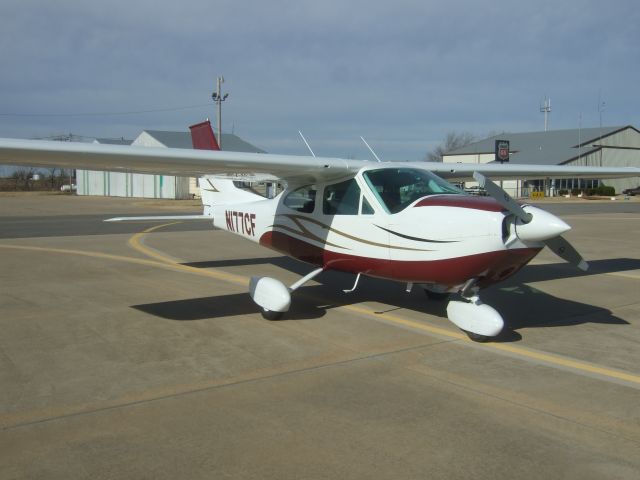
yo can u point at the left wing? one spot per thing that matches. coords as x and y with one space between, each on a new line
238 165
172 161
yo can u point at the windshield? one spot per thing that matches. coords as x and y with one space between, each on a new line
397 188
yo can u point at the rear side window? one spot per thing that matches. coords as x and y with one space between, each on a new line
302 199
341 198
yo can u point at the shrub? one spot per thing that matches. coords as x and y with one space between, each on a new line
605 191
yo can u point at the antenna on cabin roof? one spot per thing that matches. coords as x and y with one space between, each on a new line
370 149
546 109
306 143
601 106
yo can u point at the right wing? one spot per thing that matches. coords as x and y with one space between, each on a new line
460 172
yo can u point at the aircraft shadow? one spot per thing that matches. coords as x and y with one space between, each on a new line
521 305
234 262
555 271
218 306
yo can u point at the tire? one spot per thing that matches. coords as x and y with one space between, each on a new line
477 337
438 296
271 315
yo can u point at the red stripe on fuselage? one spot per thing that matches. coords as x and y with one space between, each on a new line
492 267
461 201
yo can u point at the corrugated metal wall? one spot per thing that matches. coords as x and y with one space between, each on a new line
118 184
613 157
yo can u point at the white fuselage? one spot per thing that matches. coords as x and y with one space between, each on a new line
442 239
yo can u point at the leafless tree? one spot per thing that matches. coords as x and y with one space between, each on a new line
22 178
452 141
53 178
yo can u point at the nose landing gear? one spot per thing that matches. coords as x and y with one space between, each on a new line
479 321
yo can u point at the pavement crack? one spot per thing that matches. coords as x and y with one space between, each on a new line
179 391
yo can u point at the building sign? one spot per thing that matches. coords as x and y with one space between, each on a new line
502 151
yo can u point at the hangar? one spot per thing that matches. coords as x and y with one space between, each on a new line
119 184
598 147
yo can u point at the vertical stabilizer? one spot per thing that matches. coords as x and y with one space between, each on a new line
222 191
202 136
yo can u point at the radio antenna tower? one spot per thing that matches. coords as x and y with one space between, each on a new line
546 109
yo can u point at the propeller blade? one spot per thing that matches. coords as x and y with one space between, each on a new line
502 197
565 250
557 244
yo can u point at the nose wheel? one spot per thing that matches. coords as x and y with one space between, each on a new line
476 337
436 296
478 320
271 314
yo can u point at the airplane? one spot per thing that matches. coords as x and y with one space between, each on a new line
400 221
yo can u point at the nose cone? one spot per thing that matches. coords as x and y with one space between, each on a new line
543 226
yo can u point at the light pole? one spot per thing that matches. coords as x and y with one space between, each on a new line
546 109
219 98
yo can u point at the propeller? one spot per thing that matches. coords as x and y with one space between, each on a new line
502 197
537 226
565 250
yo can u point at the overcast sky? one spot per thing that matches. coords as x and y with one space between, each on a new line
401 73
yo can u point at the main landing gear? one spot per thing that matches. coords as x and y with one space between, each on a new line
434 294
479 321
273 296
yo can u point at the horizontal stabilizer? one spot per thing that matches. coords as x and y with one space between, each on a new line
158 218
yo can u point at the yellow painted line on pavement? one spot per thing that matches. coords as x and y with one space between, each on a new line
164 261
406 322
395 319
514 350
165 264
137 243
635 276
566 362
84 253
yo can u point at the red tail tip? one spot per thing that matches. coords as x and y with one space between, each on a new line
202 136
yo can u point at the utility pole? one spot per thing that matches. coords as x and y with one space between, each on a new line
546 109
601 107
219 98
66 138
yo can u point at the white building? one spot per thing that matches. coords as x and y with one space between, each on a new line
605 147
118 184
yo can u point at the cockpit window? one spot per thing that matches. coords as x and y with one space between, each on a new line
366 208
397 188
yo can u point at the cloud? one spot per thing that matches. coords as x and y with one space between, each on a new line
402 73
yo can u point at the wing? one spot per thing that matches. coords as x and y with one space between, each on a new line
292 168
173 161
